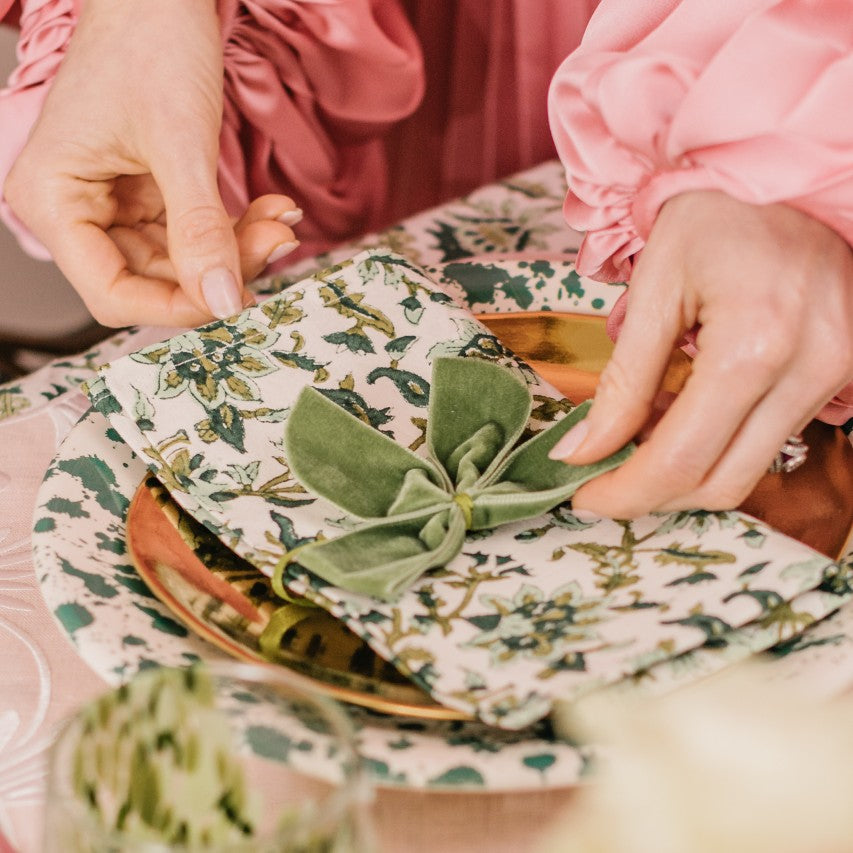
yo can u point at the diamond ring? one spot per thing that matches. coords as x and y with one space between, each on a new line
791 455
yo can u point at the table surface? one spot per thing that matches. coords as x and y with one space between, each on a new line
42 678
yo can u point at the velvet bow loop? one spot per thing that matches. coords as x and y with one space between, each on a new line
416 511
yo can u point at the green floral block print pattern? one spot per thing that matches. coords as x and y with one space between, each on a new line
120 629
525 614
520 217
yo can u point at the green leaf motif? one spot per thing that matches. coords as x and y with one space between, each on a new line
412 309
481 281
97 477
113 545
73 617
245 475
754 569
287 532
102 398
448 243
692 556
459 776
695 577
540 762
572 285
767 599
269 743
224 422
399 346
356 341
295 360
487 346
487 622
754 538
801 642
94 583
63 506
162 623
838 578
414 388
334 295
278 500
356 405
712 627
143 411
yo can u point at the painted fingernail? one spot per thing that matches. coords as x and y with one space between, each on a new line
281 250
291 217
221 293
570 442
585 515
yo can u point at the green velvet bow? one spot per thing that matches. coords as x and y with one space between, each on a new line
416 511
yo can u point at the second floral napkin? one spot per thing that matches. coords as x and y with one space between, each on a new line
498 621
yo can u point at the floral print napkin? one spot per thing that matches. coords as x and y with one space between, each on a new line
527 613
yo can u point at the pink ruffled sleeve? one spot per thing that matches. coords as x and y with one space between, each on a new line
745 96
310 87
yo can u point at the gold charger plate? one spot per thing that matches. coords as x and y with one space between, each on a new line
230 603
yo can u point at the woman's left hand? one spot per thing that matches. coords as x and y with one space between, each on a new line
772 289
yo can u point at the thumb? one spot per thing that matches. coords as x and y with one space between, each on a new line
202 244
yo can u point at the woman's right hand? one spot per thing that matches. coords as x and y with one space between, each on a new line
118 177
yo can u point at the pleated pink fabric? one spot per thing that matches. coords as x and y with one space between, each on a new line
484 116
310 88
745 96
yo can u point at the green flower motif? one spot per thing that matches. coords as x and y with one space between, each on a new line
533 625
217 364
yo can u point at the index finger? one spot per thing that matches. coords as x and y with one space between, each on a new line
731 375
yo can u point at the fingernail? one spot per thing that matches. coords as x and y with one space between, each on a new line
281 250
221 293
291 217
585 515
570 442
